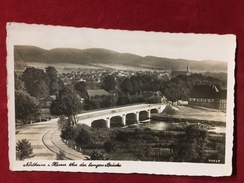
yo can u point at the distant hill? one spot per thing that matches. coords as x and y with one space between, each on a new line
71 55
24 53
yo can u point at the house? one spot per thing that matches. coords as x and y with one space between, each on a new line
92 93
46 102
153 97
222 99
207 96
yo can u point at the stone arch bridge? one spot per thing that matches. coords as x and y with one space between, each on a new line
119 116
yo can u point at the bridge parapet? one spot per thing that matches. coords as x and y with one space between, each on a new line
107 114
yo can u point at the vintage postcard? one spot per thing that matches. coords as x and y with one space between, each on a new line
117 101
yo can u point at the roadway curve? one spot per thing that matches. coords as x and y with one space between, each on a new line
46 142
34 133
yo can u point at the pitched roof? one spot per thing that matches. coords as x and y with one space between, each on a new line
93 93
51 97
204 91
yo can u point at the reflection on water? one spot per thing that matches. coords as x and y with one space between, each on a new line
217 129
155 125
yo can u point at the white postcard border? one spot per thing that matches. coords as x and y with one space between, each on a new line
165 168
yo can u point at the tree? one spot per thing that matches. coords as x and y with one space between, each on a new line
66 129
179 88
93 103
26 107
36 82
108 101
62 122
82 137
189 147
51 72
23 149
55 83
67 132
136 88
124 99
18 83
109 83
126 86
80 87
67 103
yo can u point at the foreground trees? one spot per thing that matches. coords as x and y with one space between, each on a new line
189 147
184 142
40 83
23 149
26 107
36 82
54 83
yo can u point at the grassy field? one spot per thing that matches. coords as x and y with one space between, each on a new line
196 112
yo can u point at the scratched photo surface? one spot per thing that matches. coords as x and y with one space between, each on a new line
103 100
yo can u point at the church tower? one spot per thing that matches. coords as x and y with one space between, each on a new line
188 73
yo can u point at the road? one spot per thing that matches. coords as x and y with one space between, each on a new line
34 133
46 142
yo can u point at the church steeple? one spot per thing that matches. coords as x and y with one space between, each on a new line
188 70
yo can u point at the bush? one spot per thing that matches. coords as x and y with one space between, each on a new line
96 156
145 151
82 137
123 136
169 110
153 100
60 155
63 122
23 149
67 133
109 146
136 99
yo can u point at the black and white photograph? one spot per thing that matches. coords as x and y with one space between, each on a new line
119 101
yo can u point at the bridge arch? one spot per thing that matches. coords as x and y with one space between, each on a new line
154 110
143 115
116 121
99 123
131 118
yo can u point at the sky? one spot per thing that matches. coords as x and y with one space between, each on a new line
171 45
